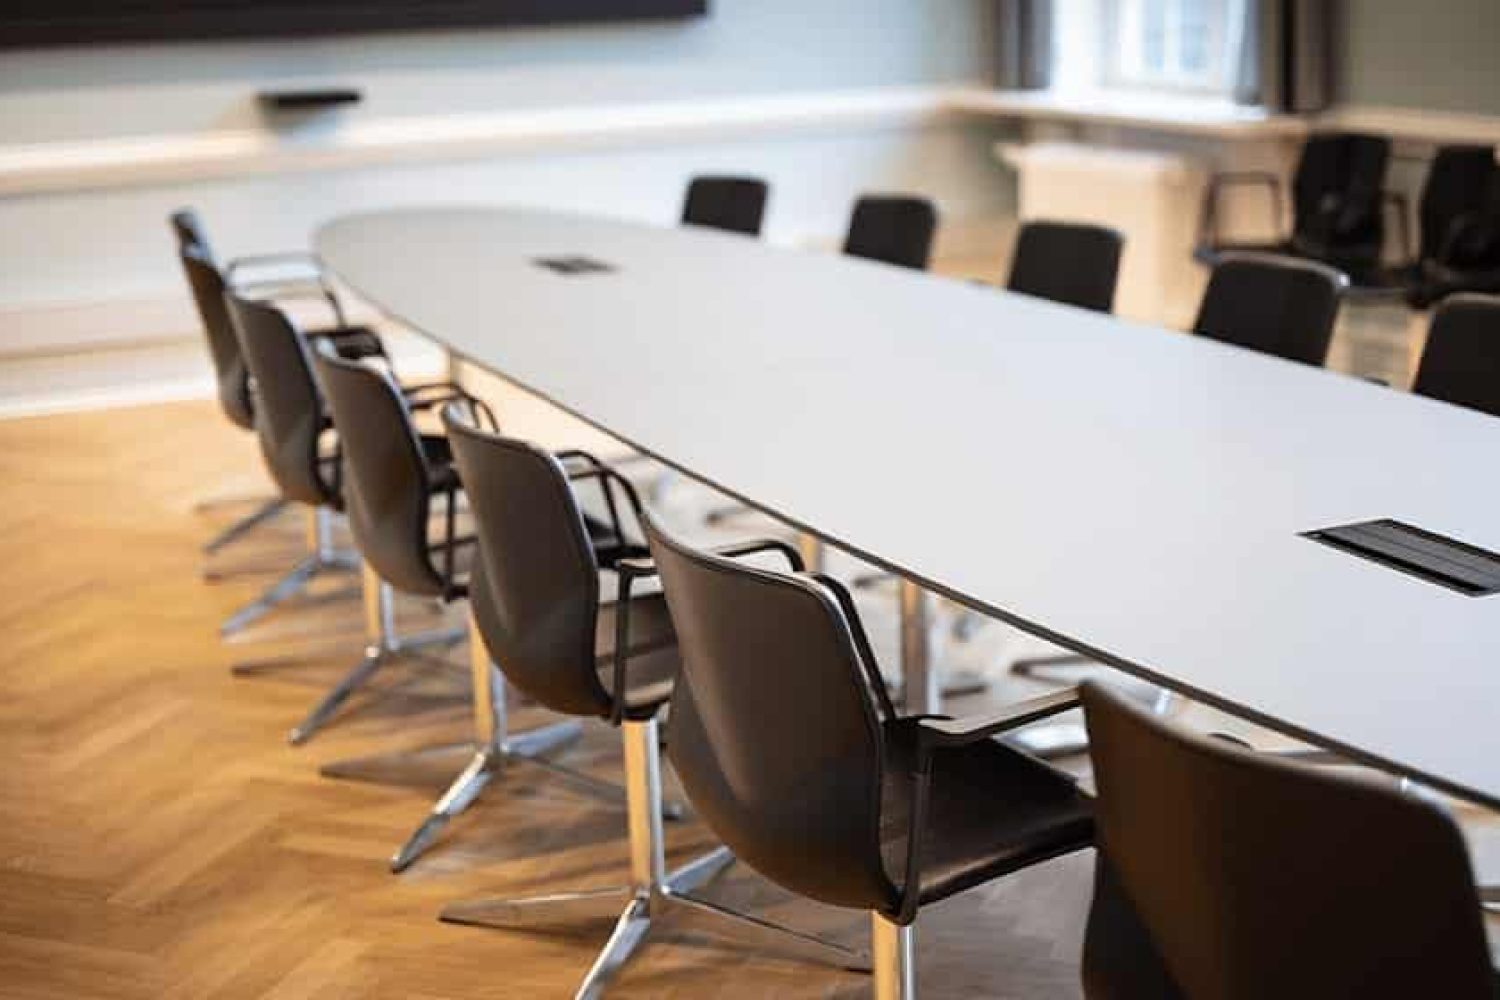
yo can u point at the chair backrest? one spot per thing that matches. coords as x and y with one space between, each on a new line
1457 183
188 231
1275 305
1461 362
1072 263
1257 877
387 489
290 415
1336 190
735 204
534 589
230 374
894 229
774 733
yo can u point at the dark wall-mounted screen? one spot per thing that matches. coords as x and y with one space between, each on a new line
25 23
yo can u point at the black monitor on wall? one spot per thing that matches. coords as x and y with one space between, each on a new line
29 23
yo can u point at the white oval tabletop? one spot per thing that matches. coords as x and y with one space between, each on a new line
1128 492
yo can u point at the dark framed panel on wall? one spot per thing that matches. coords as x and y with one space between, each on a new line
32 23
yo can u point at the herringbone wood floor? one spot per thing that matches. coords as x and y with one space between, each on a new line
158 838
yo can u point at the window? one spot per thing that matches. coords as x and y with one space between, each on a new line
1185 45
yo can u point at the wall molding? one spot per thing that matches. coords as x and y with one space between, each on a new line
169 159
145 161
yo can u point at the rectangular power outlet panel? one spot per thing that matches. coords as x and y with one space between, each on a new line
1435 558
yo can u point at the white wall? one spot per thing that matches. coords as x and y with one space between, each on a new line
86 263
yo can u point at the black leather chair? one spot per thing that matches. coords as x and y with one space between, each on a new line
1275 305
392 473
1457 181
1469 259
1461 361
1337 204
734 204
208 285
893 229
790 750
536 600
297 442
1224 874
1073 263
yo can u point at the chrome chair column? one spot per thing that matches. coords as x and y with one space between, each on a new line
655 897
895 958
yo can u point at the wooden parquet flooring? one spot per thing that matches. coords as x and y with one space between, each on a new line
159 839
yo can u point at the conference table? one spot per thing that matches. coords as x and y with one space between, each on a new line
1136 495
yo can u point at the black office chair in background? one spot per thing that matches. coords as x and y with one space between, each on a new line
733 204
1461 360
790 750
1228 874
1337 204
893 229
535 598
1275 305
291 274
1073 263
1457 181
1469 259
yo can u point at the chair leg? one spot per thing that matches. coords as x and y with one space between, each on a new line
385 647
1489 897
322 559
654 894
245 525
623 944
894 958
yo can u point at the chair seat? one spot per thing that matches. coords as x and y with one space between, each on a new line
652 660
991 810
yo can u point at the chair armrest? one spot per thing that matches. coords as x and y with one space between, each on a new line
957 732
934 734
1208 226
311 290
284 259
861 642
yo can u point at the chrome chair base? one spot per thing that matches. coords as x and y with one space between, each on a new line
491 754
378 655
260 515
321 560
654 896
895 963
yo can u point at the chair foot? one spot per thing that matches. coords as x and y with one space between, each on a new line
265 512
282 590
623 944
334 700
557 910
464 790
764 934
